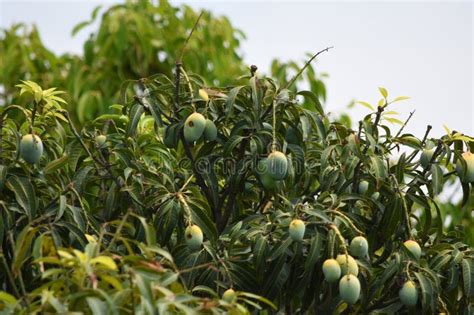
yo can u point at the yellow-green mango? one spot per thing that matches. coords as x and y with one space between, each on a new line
194 237
229 296
349 289
413 247
331 270
348 264
296 230
194 127
468 176
31 148
408 294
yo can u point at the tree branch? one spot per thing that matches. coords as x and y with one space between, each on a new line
290 83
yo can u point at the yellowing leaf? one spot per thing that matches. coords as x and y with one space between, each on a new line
391 112
448 131
365 104
400 98
64 254
83 257
7 298
105 261
394 120
91 239
112 281
383 91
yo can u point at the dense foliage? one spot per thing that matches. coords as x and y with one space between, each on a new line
215 190
125 192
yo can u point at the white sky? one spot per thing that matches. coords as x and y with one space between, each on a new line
420 49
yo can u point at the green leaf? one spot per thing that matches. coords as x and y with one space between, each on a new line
97 306
468 276
229 107
437 179
280 249
314 252
317 107
22 247
3 176
378 167
79 27
135 113
24 193
428 297
55 164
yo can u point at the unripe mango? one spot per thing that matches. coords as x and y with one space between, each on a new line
408 294
267 181
426 156
296 230
203 94
194 237
348 264
210 131
331 270
100 140
349 289
413 247
359 246
31 148
194 127
229 296
375 196
363 187
468 176
277 165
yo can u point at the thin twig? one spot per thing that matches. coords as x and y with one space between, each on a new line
290 83
180 59
404 124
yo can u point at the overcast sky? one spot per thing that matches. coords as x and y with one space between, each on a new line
420 49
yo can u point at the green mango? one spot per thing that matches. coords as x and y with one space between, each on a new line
210 131
296 230
359 246
413 247
349 289
229 296
194 237
277 165
194 127
468 175
408 294
331 270
100 140
268 182
31 148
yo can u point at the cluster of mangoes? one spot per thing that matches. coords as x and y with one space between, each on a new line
196 126
346 266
